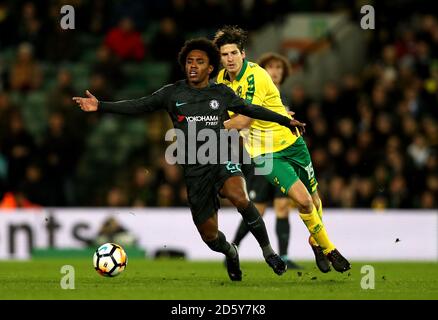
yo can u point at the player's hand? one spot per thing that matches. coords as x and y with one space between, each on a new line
295 124
87 104
291 113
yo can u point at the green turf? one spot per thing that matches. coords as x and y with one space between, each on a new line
187 280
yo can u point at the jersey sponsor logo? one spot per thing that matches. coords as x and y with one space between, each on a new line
316 228
202 118
214 104
251 88
209 120
179 104
239 91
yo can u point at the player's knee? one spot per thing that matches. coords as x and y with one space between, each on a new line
240 201
282 212
208 235
305 205
281 208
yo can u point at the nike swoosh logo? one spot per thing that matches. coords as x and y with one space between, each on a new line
179 104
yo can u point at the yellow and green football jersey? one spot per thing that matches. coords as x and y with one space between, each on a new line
254 84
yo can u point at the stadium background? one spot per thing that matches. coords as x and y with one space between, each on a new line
369 98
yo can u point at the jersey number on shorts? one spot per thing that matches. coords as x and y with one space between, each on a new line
233 167
309 170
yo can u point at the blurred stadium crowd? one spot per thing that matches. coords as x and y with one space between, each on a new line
373 136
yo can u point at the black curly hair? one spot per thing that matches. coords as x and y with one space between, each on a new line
231 35
202 44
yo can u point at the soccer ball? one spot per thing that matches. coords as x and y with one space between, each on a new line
110 260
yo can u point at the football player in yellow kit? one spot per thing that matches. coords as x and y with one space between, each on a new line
272 146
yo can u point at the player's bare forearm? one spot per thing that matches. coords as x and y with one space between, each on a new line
238 122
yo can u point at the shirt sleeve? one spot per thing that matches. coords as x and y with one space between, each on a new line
258 112
257 87
242 106
153 102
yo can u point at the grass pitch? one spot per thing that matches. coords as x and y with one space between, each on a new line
189 280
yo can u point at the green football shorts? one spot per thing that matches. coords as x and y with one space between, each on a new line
285 167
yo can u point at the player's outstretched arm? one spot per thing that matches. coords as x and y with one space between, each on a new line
149 103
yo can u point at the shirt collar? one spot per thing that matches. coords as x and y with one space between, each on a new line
241 73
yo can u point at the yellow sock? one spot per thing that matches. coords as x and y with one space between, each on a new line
319 211
317 230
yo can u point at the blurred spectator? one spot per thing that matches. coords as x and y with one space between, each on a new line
59 98
383 128
61 153
125 41
430 128
7 108
16 200
399 196
62 46
381 177
428 200
350 94
418 151
365 189
34 186
299 101
116 197
142 192
170 181
335 192
7 26
19 149
30 29
279 69
346 130
165 45
26 74
379 98
100 88
166 195
97 16
109 67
